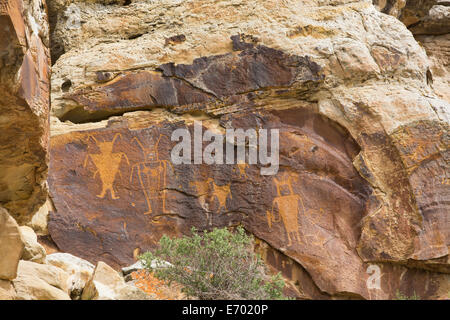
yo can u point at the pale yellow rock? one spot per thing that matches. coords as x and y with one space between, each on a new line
107 284
40 219
339 35
79 270
41 282
7 291
33 251
11 246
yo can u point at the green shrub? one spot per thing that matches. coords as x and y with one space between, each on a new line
215 265
401 296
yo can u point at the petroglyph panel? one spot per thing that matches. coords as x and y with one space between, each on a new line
119 187
318 212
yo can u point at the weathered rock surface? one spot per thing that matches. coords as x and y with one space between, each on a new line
436 22
39 221
433 32
79 271
107 284
438 50
410 12
7 291
40 282
24 106
33 251
139 266
363 178
11 246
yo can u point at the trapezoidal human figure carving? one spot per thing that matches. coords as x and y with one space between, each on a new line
152 175
288 207
107 164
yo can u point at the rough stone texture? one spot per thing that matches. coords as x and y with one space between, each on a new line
438 50
7 291
433 32
33 251
40 282
410 12
437 21
429 21
79 271
107 284
39 221
11 246
363 176
24 106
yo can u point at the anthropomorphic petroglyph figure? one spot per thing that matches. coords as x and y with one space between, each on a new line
288 207
241 166
107 164
207 191
152 175
221 193
202 189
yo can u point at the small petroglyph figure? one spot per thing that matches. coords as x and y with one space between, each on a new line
207 191
202 190
107 164
373 281
288 207
221 193
152 175
241 167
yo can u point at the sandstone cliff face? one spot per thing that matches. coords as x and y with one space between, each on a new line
410 12
24 106
363 179
433 32
429 21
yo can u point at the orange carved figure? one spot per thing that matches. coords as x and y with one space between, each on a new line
221 193
152 175
207 191
241 166
288 208
107 164
202 189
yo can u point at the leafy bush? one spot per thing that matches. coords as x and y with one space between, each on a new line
401 296
215 265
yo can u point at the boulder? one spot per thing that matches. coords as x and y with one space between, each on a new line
139 266
107 284
41 282
79 271
33 251
11 246
134 267
40 219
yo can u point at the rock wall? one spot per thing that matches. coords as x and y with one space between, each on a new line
433 32
429 21
362 187
24 106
